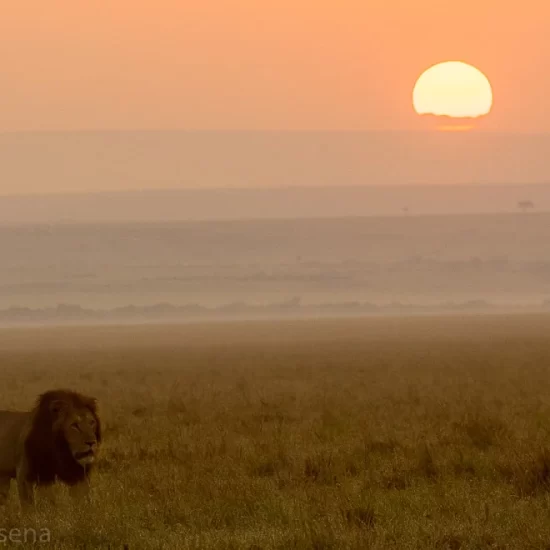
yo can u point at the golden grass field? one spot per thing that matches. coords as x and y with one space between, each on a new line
412 433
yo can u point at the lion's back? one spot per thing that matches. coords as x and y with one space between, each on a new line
12 426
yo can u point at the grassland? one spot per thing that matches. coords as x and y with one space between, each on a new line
419 433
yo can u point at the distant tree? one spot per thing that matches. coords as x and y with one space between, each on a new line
405 210
524 206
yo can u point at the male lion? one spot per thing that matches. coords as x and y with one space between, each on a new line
57 441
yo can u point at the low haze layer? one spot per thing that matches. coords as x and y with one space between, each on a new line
89 162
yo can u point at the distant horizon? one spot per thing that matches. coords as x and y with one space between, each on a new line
174 205
165 190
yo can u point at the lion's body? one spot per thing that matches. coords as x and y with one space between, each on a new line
56 441
12 427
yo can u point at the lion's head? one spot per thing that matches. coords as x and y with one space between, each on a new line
65 435
76 422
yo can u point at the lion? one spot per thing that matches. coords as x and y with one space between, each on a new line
57 441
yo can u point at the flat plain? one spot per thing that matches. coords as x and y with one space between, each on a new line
409 433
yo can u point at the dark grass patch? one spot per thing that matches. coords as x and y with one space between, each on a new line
528 474
382 446
362 516
482 430
425 463
463 466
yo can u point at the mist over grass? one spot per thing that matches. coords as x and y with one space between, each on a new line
412 261
66 314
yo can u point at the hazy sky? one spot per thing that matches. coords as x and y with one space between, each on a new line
248 64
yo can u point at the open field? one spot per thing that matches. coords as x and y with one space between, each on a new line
409 433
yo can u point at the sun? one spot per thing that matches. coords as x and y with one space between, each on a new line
455 90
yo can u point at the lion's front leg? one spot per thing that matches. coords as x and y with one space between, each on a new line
4 488
25 486
25 489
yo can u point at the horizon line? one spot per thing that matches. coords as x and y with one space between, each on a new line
164 190
278 219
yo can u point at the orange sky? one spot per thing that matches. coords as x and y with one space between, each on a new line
247 64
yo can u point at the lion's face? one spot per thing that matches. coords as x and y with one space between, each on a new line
80 429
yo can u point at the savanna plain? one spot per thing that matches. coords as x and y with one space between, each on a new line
409 433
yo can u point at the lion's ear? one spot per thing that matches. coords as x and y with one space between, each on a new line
58 406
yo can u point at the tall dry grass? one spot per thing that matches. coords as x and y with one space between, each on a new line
384 433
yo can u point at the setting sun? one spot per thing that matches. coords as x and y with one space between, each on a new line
453 89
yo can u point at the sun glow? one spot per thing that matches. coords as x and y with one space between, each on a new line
453 89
